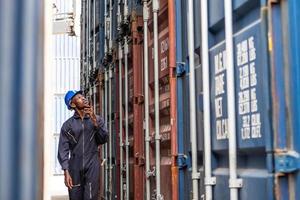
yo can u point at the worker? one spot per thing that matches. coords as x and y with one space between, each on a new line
78 148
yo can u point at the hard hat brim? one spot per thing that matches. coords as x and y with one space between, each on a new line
69 103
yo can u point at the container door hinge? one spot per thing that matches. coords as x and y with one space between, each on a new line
181 161
287 162
180 68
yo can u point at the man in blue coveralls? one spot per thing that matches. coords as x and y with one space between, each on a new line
78 148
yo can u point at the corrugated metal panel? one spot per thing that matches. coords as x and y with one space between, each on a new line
66 62
21 87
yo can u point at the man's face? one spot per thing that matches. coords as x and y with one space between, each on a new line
79 101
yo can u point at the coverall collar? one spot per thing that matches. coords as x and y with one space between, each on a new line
77 116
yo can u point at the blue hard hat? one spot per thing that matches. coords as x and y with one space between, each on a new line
69 95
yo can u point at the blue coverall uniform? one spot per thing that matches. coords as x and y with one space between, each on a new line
78 153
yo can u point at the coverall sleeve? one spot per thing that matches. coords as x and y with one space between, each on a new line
101 131
63 150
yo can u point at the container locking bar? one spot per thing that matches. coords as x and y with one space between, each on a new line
287 162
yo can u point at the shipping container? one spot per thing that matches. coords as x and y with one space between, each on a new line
262 128
265 78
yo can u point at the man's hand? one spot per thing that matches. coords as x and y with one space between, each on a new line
90 111
68 179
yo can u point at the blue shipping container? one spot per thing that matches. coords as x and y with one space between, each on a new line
266 121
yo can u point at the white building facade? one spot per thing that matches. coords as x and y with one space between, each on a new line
63 74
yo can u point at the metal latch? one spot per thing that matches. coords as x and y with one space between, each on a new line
151 173
139 99
139 160
287 162
210 181
235 183
196 176
160 197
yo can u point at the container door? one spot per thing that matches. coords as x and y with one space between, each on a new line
252 93
267 83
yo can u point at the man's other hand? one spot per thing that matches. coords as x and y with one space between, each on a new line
68 180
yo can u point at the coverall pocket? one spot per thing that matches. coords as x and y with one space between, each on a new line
71 137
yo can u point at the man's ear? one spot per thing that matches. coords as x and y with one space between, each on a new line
72 105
